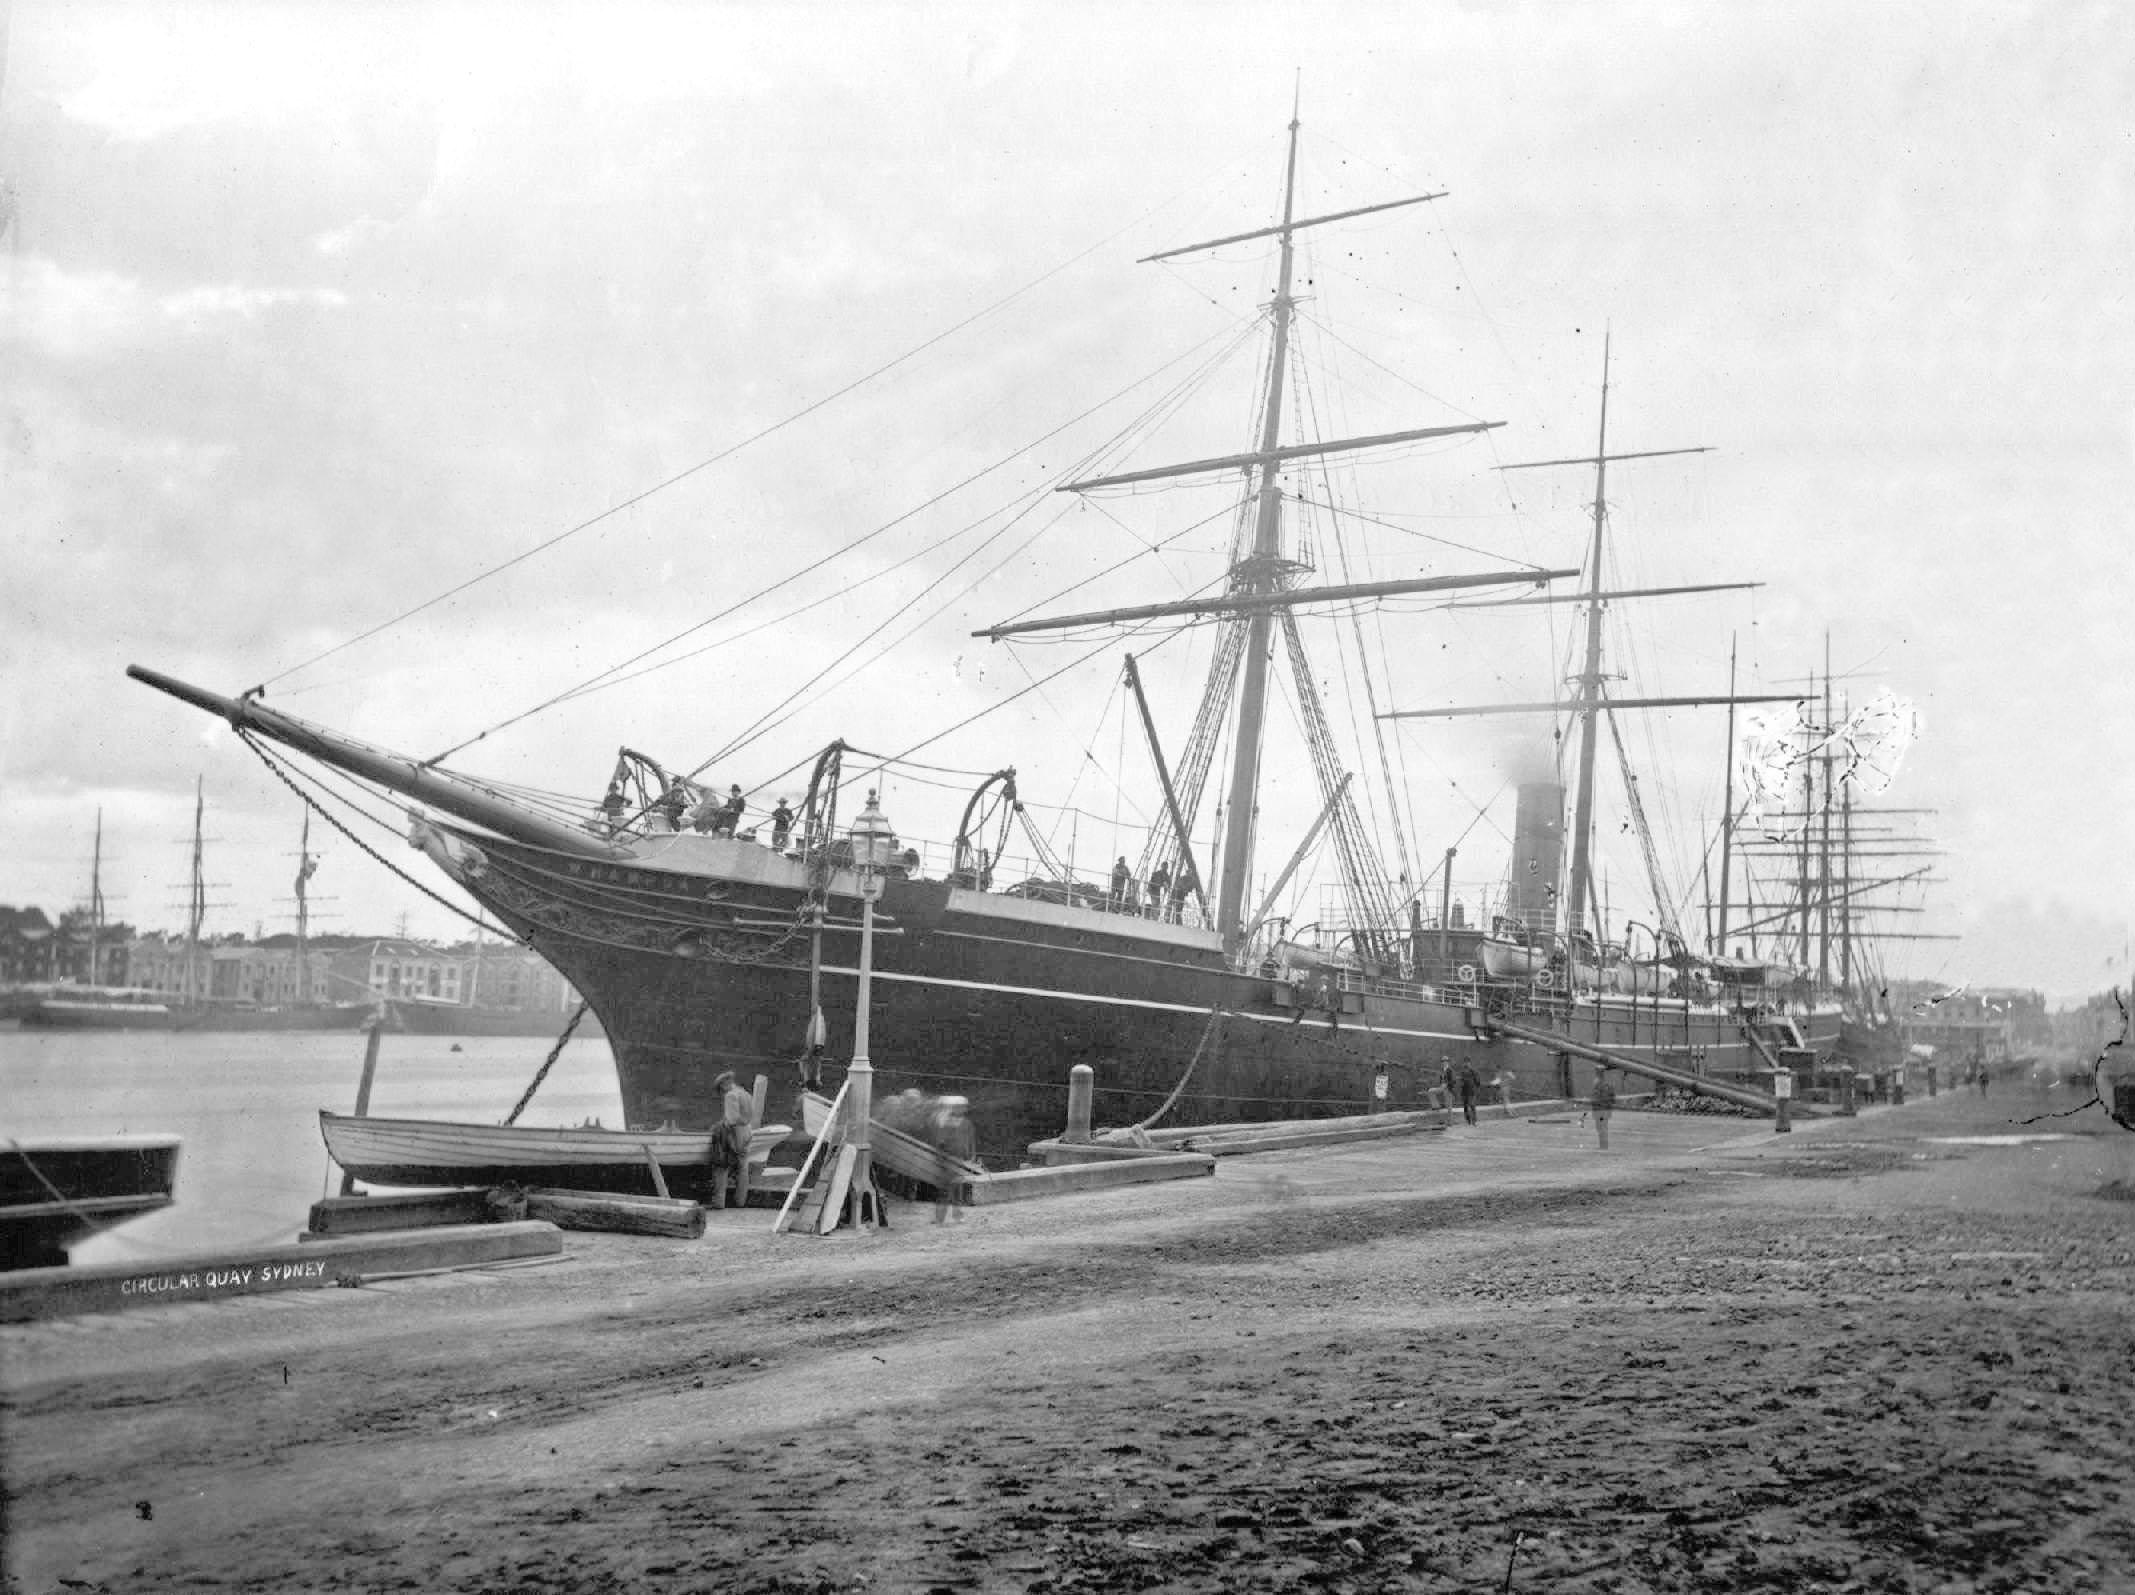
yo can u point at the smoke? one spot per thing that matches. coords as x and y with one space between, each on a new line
1527 758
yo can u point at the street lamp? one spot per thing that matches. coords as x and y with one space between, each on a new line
872 843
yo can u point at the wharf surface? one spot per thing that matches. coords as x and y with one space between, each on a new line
1098 1382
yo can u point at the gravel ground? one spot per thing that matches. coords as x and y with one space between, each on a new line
1892 1353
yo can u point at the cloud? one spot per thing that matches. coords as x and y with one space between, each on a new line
92 314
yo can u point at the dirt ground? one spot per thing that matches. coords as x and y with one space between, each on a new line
1871 1356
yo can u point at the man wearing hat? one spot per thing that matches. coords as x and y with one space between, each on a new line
730 1141
729 821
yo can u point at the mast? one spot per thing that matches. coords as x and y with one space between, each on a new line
1808 810
1259 573
96 898
1589 695
1823 944
1845 923
1727 803
196 896
305 865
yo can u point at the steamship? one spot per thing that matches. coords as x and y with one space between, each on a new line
704 951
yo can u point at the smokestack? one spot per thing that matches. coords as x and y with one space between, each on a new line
1537 856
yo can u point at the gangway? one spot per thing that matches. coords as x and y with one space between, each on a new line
1662 1073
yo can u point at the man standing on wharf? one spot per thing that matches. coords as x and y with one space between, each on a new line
1471 1086
730 1142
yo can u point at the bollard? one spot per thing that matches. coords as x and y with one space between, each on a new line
1081 1083
1845 1094
1378 1089
1931 1081
1603 1104
1783 1092
1897 1089
363 1090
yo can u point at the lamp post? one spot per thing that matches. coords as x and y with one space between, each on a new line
872 844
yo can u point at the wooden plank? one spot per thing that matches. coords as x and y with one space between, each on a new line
756 1102
626 1215
835 1188
106 1287
1022 1185
815 1151
659 1180
340 1216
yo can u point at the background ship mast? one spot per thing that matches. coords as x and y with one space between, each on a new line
1589 697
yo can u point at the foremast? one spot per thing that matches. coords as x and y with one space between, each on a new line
1259 590
1259 572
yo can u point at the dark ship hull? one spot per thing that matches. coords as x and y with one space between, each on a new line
697 958
57 1192
460 1019
295 1016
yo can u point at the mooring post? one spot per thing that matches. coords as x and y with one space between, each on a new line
1082 1082
363 1090
1845 1094
1783 1092
1931 1080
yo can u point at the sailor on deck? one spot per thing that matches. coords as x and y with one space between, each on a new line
729 820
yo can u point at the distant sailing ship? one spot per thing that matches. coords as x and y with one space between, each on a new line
704 950
90 1004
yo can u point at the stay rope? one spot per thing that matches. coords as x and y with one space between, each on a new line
330 818
547 1064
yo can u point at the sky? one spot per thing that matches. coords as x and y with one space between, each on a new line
602 319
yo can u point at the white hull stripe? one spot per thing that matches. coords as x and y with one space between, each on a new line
1358 1027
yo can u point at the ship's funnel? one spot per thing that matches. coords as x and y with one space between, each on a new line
1537 856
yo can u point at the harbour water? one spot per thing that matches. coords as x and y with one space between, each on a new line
247 1108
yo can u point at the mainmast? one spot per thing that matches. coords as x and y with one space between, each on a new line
1587 700
1589 682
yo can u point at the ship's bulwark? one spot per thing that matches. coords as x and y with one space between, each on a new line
699 969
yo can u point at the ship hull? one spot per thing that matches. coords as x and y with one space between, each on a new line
55 1193
69 1014
698 959
297 1016
456 1019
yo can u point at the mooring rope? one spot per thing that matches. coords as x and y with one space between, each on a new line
1214 1028
547 1064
